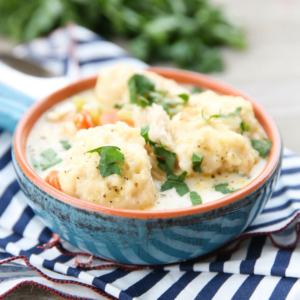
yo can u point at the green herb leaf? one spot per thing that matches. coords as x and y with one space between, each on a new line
143 102
142 93
233 114
223 188
119 106
65 144
197 160
161 164
184 97
110 156
139 85
244 127
262 146
166 164
177 182
168 104
195 198
35 164
144 133
49 159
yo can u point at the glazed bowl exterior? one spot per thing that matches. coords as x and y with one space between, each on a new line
146 237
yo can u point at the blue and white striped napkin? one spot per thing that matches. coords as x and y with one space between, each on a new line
263 263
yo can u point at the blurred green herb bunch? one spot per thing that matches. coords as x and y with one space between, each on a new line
187 32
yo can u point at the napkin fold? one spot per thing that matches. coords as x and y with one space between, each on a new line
262 263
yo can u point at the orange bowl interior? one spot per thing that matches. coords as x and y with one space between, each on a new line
186 77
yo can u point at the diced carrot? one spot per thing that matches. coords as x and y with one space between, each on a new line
109 117
83 120
129 123
52 179
112 117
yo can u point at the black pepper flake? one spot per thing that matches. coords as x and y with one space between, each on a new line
104 195
110 201
77 177
116 190
213 176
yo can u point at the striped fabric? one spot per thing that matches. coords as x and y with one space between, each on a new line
263 263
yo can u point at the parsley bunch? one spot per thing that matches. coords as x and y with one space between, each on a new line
187 32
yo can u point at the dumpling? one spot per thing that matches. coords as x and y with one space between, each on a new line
81 178
218 140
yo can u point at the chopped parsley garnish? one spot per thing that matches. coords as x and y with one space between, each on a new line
177 182
49 159
65 144
262 146
166 164
139 86
197 160
223 188
142 93
144 133
195 198
184 97
110 157
233 114
244 127
119 106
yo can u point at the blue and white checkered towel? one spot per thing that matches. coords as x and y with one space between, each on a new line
263 263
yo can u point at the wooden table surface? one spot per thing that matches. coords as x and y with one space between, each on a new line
268 71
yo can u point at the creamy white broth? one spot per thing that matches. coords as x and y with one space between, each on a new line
204 185
57 125
45 135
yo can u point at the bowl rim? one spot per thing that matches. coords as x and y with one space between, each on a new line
181 76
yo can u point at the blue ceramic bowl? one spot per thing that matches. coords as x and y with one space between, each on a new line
146 237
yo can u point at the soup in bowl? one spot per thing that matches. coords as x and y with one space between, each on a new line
136 167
